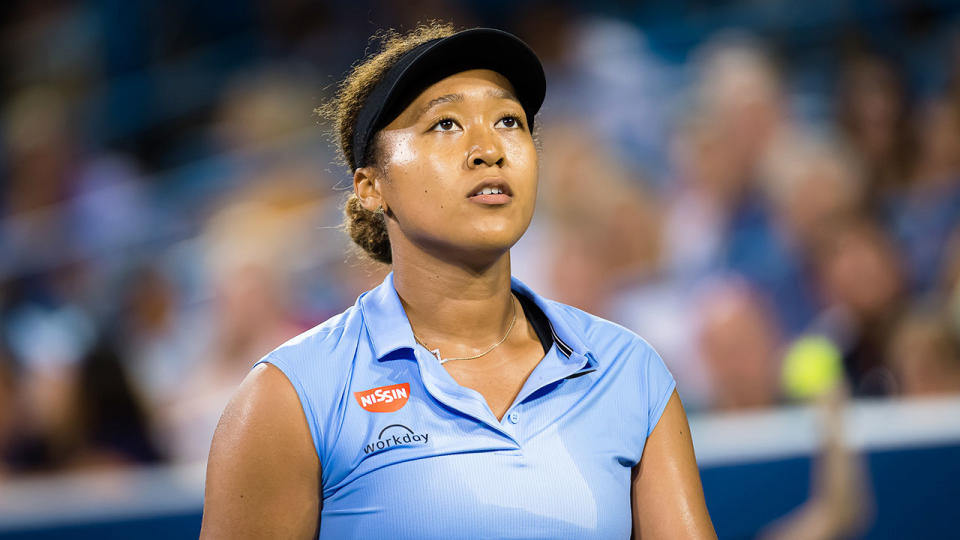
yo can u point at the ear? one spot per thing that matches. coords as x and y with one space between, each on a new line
366 184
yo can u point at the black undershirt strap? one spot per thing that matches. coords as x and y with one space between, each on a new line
539 321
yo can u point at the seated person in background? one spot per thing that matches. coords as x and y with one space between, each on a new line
924 355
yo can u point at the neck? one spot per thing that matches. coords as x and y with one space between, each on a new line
454 307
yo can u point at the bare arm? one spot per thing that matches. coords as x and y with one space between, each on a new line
666 495
263 476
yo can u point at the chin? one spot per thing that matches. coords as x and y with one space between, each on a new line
494 236
479 240
484 248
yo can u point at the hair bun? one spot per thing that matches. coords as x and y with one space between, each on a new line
368 230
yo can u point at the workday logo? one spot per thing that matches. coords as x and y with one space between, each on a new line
395 435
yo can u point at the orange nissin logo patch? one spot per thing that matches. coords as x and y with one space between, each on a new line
385 398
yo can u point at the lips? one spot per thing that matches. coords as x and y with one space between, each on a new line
492 191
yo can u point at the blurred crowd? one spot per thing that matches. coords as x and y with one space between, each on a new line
169 207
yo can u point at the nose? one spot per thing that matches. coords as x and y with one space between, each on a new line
486 150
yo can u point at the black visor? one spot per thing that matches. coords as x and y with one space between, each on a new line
477 48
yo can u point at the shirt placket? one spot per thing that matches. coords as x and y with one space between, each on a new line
554 367
442 387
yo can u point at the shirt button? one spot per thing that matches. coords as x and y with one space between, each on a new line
513 417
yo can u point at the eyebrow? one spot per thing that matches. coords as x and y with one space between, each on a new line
498 93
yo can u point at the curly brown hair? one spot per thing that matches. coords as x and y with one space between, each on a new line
368 229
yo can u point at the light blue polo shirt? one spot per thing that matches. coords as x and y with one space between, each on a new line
407 453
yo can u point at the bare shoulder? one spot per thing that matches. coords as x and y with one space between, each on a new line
667 497
263 475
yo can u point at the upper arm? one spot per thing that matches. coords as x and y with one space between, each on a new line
263 475
666 495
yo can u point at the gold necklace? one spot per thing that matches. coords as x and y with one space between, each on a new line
436 352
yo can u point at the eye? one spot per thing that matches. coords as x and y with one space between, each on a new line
510 122
445 124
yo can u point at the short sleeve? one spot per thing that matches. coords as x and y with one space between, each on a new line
305 401
660 385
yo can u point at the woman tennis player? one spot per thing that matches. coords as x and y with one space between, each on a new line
452 401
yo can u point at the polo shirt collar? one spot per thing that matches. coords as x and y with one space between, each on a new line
386 321
389 329
569 342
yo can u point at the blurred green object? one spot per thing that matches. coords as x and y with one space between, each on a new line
812 366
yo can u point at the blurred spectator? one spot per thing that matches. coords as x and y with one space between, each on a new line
927 210
604 225
110 423
48 336
40 147
80 416
7 409
808 183
708 178
873 114
924 354
87 207
262 109
603 231
595 62
719 220
949 287
740 91
251 244
41 159
859 279
157 334
740 345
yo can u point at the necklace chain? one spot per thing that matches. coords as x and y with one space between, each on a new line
436 352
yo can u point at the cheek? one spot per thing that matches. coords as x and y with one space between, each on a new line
410 161
523 150
398 150
526 164
521 159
